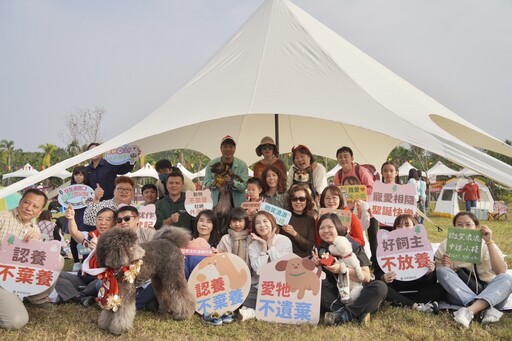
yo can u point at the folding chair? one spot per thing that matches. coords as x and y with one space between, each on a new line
499 211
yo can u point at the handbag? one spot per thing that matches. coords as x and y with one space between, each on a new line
470 278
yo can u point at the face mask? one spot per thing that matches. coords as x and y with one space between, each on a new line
163 177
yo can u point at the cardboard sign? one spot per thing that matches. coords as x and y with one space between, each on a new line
251 205
78 196
123 154
391 200
28 268
197 201
289 291
355 192
282 216
404 251
147 216
220 283
344 215
464 245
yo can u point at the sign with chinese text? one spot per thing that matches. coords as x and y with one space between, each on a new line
220 283
289 291
407 252
28 268
197 201
251 205
464 245
147 216
197 247
353 193
344 215
391 200
123 154
282 216
78 196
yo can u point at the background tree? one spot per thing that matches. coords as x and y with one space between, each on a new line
48 151
7 148
83 127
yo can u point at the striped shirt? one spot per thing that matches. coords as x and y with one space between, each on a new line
10 223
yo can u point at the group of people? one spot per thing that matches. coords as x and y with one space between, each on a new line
255 236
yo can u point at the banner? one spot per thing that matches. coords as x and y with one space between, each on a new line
391 200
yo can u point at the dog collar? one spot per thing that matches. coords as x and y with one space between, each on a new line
347 256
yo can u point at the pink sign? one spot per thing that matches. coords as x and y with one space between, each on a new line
147 216
251 205
197 201
289 291
220 283
28 268
407 252
390 200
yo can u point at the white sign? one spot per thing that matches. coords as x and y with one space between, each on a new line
282 216
123 154
78 196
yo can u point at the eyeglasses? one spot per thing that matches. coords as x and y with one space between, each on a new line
126 219
301 199
267 146
124 190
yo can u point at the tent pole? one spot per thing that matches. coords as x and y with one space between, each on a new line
276 129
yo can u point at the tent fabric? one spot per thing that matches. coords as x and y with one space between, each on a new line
441 169
24 172
447 203
465 172
404 169
146 171
333 171
326 92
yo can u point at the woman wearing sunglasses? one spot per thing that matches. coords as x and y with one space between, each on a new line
268 149
301 228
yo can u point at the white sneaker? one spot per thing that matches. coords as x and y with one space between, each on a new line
245 313
430 307
463 316
491 315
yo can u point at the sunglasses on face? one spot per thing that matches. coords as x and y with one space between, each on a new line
267 146
127 219
301 199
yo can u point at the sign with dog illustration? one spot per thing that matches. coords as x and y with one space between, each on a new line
78 196
28 268
282 216
289 291
388 201
123 154
220 283
344 215
197 201
405 251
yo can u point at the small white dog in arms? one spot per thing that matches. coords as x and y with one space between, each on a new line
342 248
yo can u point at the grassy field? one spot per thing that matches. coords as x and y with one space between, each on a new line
73 322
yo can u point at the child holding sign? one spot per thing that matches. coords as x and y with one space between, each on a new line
491 272
238 239
420 294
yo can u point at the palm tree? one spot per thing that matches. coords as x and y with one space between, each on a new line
73 148
48 149
7 147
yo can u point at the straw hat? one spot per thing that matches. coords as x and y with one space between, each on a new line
267 140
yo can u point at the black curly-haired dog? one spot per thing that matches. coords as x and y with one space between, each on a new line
163 263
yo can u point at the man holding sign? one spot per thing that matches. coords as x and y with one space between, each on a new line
490 272
19 222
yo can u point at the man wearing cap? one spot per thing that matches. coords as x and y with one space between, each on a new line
235 178
269 150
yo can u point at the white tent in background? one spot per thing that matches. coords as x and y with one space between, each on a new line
185 171
200 174
24 172
146 171
325 91
63 174
333 171
447 203
440 169
466 172
404 169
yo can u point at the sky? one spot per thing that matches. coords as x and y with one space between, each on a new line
130 56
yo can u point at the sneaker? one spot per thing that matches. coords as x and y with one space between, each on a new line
88 301
430 307
228 317
463 316
213 319
491 315
337 317
245 313
43 306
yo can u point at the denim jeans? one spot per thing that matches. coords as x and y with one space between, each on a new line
495 293
469 204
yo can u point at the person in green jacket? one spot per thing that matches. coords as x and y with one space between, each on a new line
170 210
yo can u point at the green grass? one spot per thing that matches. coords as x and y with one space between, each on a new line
73 322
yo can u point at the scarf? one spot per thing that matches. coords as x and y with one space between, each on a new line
239 241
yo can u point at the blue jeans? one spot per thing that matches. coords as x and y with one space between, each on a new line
469 204
495 293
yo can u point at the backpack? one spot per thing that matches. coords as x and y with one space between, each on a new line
370 168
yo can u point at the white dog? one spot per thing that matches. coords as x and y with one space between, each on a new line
342 248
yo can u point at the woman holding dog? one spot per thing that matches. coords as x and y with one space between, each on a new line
274 186
301 228
312 174
373 293
268 149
